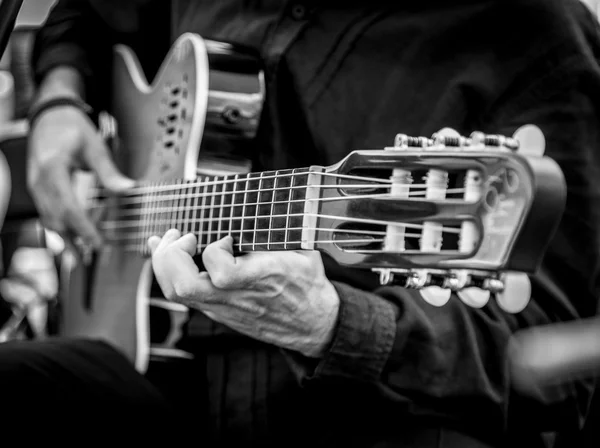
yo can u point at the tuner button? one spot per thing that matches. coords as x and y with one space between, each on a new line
447 137
516 293
447 132
531 140
474 297
401 141
436 296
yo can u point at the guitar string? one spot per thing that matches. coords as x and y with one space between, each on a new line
232 232
252 246
142 247
185 185
153 196
179 195
152 200
133 212
162 222
152 187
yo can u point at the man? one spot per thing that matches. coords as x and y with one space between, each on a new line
361 366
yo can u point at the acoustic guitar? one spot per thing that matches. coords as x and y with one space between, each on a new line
465 214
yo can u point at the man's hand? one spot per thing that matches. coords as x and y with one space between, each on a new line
64 139
282 298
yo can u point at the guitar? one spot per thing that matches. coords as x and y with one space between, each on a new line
471 215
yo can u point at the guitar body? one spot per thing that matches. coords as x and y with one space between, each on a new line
5 187
161 128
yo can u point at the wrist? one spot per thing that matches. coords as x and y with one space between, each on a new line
40 108
326 330
61 82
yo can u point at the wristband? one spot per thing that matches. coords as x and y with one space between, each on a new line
39 109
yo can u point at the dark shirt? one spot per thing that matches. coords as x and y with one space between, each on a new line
348 77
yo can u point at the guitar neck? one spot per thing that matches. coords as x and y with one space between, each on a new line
261 211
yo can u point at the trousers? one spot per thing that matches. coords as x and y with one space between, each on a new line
80 391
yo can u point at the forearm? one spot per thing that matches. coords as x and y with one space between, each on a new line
72 53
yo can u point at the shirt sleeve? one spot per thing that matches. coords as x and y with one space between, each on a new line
452 360
81 34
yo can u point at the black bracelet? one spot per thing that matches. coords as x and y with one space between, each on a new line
38 109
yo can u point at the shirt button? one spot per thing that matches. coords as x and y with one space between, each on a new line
298 11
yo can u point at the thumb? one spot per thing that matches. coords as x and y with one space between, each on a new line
99 160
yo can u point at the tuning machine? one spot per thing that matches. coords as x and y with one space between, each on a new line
512 290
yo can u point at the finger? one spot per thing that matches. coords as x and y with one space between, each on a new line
54 193
153 243
188 243
168 238
99 160
220 264
178 275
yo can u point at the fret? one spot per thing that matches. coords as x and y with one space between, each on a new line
296 209
232 207
173 201
206 210
288 212
263 211
250 211
182 194
219 205
216 207
165 208
154 217
171 217
202 224
144 216
237 210
243 206
187 201
213 187
225 214
180 205
280 210
274 189
195 222
256 210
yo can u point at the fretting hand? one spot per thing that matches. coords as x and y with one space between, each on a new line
282 298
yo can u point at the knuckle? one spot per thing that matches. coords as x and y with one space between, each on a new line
221 280
184 290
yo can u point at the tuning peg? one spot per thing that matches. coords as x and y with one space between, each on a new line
531 140
474 297
447 132
435 296
516 293
448 137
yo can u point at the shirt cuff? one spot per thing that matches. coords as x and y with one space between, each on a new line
362 340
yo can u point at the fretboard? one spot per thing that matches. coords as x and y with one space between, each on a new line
261 211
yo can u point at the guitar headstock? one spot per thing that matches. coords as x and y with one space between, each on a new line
450 213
